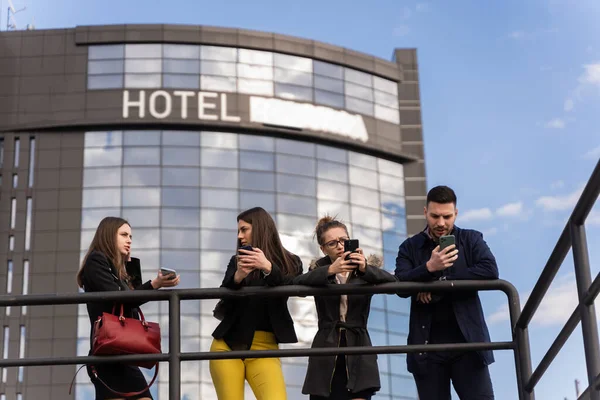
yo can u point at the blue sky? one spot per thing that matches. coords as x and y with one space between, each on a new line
510 92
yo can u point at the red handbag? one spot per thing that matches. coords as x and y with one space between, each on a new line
118 335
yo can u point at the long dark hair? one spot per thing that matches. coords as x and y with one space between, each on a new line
105 242
266 237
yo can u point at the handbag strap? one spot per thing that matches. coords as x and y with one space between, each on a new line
126 394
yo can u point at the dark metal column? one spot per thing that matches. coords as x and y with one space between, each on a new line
589 325
174 347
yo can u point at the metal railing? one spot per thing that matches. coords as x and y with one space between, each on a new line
573 237
174 357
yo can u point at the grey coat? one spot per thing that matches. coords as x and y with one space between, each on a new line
362 370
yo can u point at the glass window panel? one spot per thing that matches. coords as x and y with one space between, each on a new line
293 62
295 147
97 198
366 217
143 51
327 69
336 207
143 176
392 204
377 320
222 178
219 139
405 385
254 72
141 138
368 237
386 99
218 53
395 223
181 51
101 177
103 139
142 217
304 248
181 197
361 177
295 225
296 185
180 138
105 81
364 197
332 191
180 260
102 157
184 156
297 205
385 85
141 197
387 114
260 143
257 199
141 156
106 67
361 78
219 219
142 81
218 68
332 154
292 92
218 83
264 181
296 165
181 81
143 66
293 77
90 218
103 52
251 86
255 57
329 99
180 217
358 91
392 240
219 198
329 84
218 240
219 158
390 168
398 304
257 161
332 171
392 185
179 239
362 160
181 66
181 177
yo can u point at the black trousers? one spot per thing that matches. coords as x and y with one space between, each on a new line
467 372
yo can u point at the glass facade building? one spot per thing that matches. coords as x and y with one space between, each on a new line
178 132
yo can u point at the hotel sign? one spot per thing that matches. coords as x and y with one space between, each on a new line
212 106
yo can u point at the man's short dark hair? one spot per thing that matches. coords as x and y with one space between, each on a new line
441 195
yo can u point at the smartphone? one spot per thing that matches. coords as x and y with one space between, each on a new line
350 245
246 248
168 272
446 241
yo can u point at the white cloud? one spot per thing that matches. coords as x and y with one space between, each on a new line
569 105
593 154
475 215
490 232
510 209
590 78
593 218
423 7
559 203
556 123
591 75
401 30
557 185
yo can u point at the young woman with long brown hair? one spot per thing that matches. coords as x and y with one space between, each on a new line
108 266
255 323
342 319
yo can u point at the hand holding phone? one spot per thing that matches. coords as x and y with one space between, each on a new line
444 255
350 245
168 273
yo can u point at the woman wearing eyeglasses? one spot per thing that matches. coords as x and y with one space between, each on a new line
342 319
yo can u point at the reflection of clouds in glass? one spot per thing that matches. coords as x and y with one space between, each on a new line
216 260
141 197
294 184
362 160
295 225
98 198
141 176
367 217
181 217
91 218
336 209
395 223
103 139
364 197
146 239
101 177
298 246
86 239
219 139
367 237
390 168
102 157
363 177
305 318
392 185
141 218
141 156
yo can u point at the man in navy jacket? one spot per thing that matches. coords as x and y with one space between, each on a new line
451 317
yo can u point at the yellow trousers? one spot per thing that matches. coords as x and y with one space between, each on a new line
263 374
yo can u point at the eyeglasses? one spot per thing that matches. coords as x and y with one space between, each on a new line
333 244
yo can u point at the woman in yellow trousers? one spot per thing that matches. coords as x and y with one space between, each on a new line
254 323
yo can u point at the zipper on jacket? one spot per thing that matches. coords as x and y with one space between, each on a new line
335 362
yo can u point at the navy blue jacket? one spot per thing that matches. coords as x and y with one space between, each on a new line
475 261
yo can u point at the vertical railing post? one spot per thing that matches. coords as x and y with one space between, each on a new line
521 351
174 347
589 326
